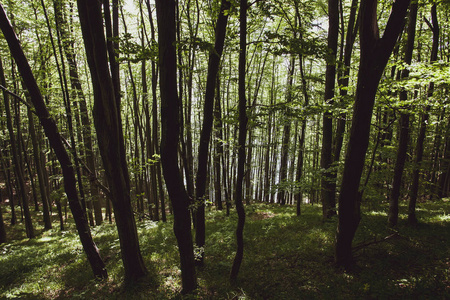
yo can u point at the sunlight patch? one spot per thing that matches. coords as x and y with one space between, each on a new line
377 213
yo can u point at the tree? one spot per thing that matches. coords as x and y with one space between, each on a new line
170 127
55 139
404 121
108 125
434 26
205 135
15 151
326 158
375 52
243 120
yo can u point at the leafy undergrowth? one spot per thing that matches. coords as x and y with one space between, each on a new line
286 257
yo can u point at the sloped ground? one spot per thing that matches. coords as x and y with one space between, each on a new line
286 257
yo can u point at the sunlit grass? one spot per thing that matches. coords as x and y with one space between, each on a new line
286 257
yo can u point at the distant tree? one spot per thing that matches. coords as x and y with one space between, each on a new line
170 127
375 52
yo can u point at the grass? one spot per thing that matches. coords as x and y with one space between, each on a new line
286 257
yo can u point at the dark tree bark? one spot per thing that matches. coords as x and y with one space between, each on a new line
412 219
170 104
56 143
243 120
281 197
218 146
68 46
404 122
205 134
107 122
375 52
326 158
40 173
2 225
343 83
15 151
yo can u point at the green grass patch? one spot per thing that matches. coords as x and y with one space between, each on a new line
286 257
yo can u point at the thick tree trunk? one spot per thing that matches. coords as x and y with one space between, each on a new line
55 140
107 121
375 53
170 104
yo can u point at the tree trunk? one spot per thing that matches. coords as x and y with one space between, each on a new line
15 151
107 121
205 135
412 219
243 120
218 146
55 140
68 46
404 123
326 158
170 104
375 53
39 167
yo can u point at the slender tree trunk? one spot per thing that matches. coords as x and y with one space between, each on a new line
404 123
218 146
412 219
55 140
375 52
39 167
205 135
15 154
68 46
286 136
170 104
243 120
326 158
2 225
155 128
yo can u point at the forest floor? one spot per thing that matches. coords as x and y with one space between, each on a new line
286 257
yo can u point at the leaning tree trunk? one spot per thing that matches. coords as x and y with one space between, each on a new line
55 139
170 104
375 52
